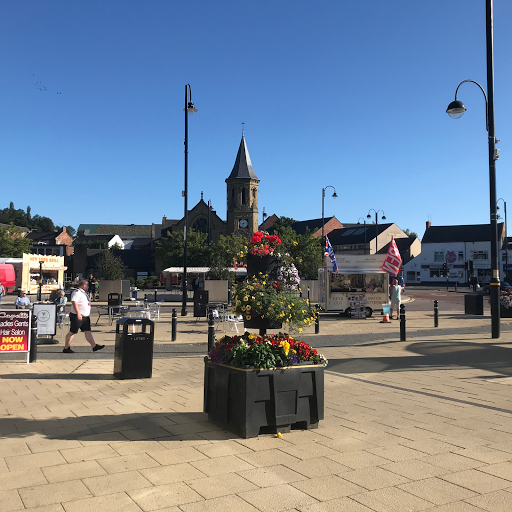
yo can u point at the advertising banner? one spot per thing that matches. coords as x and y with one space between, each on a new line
14 330
46 319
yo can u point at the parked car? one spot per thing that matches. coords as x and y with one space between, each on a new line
486 288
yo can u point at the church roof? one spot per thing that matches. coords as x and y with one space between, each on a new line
243 167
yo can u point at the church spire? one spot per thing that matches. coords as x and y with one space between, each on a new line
243 167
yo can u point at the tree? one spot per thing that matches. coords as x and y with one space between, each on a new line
12 243
224 254
282 223
410 233
169 249
110 266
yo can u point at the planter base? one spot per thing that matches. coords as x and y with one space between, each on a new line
252 402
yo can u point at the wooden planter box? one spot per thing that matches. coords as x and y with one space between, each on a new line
250 402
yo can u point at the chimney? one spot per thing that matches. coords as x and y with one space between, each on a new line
428 224
64 229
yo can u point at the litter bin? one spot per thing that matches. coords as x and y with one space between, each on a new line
115 299
200 303
133 357
473 304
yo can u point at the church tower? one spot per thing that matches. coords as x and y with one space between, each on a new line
242 194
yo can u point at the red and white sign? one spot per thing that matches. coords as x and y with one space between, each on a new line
393 260
14 330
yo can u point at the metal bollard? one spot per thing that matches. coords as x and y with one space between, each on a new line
211 331
32 356
317 321
402 323
155 294
436 313
455 286
174 324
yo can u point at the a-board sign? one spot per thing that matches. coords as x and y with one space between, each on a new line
46 319
14 330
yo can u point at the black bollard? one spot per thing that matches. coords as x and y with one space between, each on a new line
317 321
174 324
155 293
402 323
455 286
436 313
32 356
211 331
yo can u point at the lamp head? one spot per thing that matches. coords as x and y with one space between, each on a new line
368 216
335 195
456 109
190 108
383 217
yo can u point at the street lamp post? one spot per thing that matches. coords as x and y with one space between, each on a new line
189 110
455 110
383 217
364 222
506 226
323 220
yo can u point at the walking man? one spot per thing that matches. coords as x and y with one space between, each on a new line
80 317
1 291
396 297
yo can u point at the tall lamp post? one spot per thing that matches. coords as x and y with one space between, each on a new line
455 110
383 217
323 219
506 226
364 222
189 110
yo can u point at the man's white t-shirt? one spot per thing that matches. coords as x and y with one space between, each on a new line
81 297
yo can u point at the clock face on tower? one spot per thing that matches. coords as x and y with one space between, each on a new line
243 223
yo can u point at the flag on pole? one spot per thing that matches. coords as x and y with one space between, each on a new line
329 252
393 260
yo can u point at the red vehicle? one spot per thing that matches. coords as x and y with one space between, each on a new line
7 276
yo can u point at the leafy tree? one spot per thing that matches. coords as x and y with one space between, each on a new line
109 266
12 243
411 234
281 223
169 249
224 254
43 223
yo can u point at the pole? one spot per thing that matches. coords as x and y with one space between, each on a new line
174 324
495 278
40 287
376 232
211 331
436 313
402 323
209 207
317 320
185 195
323 239
32 355
506 239
364 236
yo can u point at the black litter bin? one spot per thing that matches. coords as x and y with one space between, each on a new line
133 357
115 299
200 303
473 304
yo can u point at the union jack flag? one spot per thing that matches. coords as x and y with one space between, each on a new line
329 252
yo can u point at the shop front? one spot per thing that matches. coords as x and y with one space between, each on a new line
49 268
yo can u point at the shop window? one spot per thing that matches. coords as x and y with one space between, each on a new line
439 256
435 272
481 255
461 256
461 274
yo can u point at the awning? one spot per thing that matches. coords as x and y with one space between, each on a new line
54 268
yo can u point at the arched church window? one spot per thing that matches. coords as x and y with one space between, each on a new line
243 196
200 225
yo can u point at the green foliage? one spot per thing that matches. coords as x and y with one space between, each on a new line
281 223
259 355
409 233
169 250
224 254
12 243
25 219
109 266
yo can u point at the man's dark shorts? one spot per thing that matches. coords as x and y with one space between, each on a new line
75 325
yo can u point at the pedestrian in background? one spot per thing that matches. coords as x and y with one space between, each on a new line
2 289
22 301
80 317
396 298
92 287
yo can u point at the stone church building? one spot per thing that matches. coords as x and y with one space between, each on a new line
242 204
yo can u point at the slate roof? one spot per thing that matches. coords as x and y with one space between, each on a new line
356 234
43 235
243 167
404 247
462 233
313 224
93 238
123 230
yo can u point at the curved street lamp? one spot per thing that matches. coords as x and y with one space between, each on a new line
364 222
189 110
323 220
383 217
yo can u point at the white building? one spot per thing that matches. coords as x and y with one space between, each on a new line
456 246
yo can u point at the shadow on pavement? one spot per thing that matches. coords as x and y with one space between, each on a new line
433 356
115 427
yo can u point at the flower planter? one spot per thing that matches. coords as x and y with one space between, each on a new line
256 322
505 312
249 402
264 264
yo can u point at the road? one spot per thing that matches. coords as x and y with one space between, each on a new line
423 299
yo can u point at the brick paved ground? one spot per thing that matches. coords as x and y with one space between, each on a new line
419 425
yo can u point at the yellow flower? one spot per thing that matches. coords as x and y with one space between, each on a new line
300 330
248 317
264 282
285 346
252 336
246 298
295 243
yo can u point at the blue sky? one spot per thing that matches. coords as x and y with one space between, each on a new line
349 94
